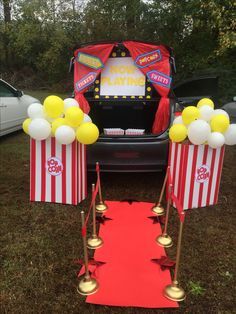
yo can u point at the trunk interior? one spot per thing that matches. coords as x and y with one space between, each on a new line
124 114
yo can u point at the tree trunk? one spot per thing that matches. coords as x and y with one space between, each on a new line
7 21
7 11
132 17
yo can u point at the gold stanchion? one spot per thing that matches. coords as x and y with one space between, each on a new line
164 239
87 284
174 291
158 208
101 207
94 242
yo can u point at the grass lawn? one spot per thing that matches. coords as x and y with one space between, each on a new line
40 242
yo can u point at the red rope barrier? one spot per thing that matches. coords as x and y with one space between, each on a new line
94 194
174 198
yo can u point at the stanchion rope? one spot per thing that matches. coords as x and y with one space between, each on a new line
84 228
174 198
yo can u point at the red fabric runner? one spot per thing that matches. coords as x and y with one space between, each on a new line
129 277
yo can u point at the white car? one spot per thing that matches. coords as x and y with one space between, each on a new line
13 108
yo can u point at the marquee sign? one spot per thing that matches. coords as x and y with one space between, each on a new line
121 77
147 59
159 78
90 61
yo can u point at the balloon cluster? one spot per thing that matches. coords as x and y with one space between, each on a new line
203 125
63 120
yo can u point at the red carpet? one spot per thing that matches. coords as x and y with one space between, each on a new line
129 278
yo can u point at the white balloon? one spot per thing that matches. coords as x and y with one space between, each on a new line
216 139
219 111
206 112
50 120
65 134
86 118
39 129
70 102
198 132
35 110
230 135
178 120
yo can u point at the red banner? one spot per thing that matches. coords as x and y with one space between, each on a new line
154 62
89 61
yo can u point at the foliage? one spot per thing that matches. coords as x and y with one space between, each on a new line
41 34
195 288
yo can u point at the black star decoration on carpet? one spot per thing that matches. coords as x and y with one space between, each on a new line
130 201
164 262
91 262
158 219
102 219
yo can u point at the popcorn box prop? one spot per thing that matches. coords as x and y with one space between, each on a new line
196 172
57 172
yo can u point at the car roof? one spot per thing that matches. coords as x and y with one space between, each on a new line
4 82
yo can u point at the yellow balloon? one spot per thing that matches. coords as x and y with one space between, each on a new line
190 114
53 106
205 102
178 133
25 125
219 123
74 116
87 133
56 123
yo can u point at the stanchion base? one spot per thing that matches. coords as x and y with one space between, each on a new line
158 210
164 240
87 286
101 207
94 243
174 292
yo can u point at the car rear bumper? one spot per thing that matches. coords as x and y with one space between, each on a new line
129 156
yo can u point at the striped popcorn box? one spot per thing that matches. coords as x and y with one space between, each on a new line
196 173
57 172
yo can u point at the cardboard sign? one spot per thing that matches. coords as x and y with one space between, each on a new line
120 77
148 58
85 81
196 172
57 172
90 61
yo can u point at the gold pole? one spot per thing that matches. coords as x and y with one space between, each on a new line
158 208
94 242
164 239
174 291
87 284
101 207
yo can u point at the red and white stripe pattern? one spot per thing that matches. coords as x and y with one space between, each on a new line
196 172
57 172
114 131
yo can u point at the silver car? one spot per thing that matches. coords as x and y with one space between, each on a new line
13 108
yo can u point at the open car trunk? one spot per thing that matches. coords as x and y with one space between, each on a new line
124 114
124 89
